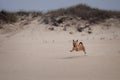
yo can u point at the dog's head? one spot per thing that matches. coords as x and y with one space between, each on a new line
75 43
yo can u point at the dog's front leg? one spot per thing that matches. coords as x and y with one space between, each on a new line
72 49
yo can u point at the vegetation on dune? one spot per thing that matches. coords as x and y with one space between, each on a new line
11 17
7 17
27 13
85 12
81 11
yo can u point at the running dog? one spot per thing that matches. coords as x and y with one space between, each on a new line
78 46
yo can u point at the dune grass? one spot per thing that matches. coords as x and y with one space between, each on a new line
82 11
85 12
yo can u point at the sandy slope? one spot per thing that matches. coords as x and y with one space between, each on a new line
38 54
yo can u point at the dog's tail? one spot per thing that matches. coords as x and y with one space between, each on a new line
81 43
82 47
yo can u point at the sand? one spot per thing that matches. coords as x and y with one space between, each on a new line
39 54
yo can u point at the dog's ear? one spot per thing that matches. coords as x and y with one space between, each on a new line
77 40
73 40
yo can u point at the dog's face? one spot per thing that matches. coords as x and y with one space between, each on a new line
75 43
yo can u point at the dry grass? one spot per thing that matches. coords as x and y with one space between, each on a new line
85 12
82 11
11 17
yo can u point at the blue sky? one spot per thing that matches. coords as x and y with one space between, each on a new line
45 5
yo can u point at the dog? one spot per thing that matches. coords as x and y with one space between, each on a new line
78 46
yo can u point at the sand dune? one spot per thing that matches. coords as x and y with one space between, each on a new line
38 54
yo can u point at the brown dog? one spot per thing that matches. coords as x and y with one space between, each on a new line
78 46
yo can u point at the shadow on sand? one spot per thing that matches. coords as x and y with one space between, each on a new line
73 57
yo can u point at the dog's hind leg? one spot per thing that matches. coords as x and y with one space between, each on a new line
84 52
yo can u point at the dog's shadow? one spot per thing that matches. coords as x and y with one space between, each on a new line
73 57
